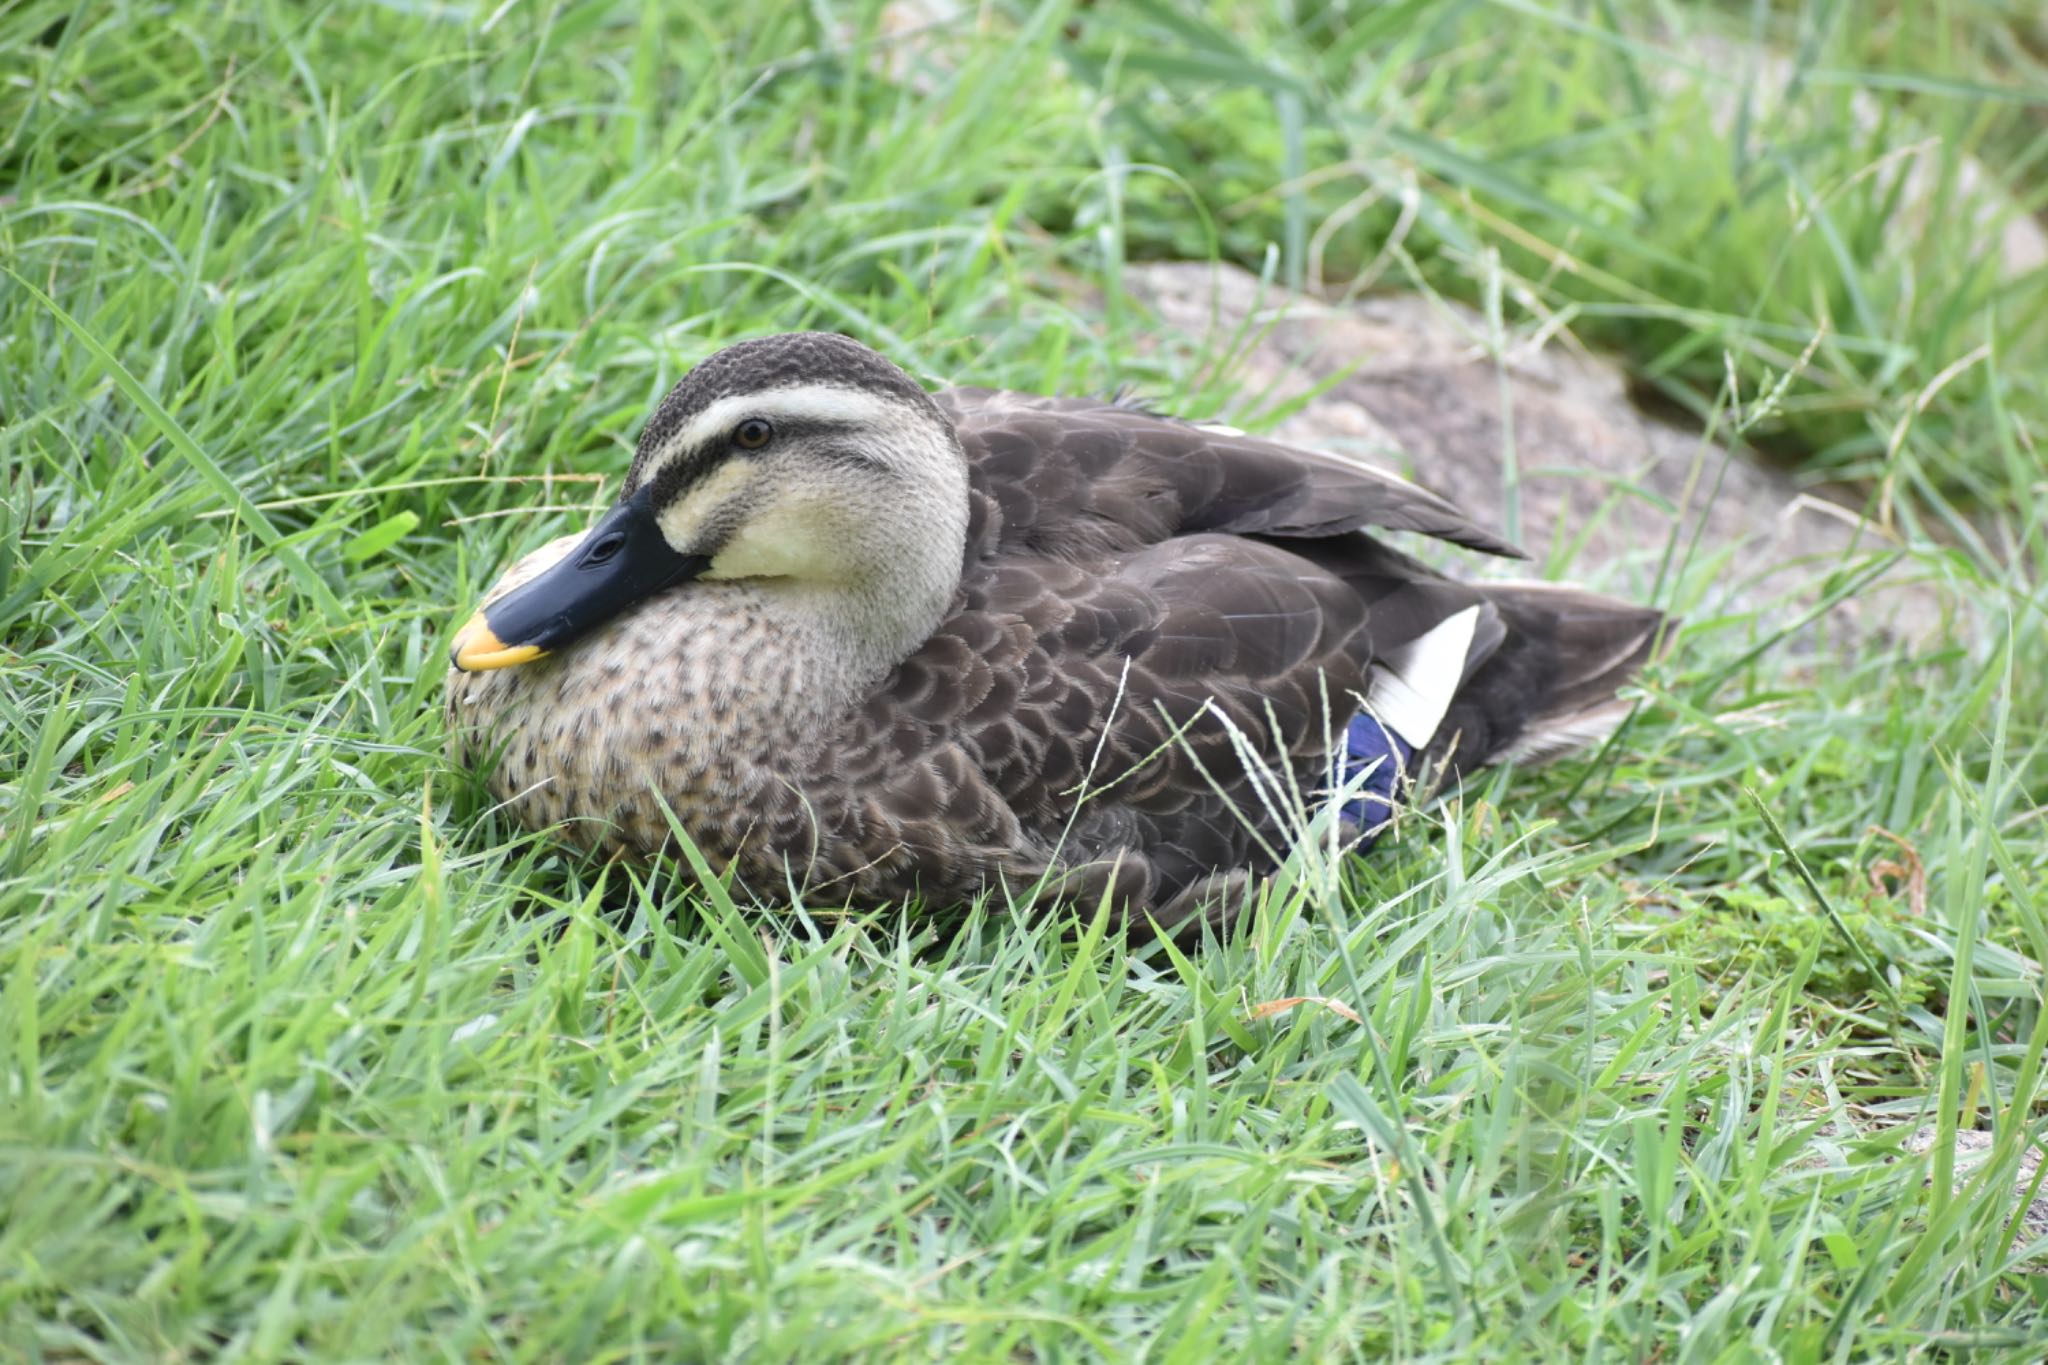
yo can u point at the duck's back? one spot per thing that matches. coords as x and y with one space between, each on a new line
1163 634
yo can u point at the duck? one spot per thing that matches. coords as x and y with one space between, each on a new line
861 642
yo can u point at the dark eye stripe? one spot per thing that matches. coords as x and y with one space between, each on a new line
789 428
676 474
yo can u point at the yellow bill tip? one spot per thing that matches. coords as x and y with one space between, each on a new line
478 648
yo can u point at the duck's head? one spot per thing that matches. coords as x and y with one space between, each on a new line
806 460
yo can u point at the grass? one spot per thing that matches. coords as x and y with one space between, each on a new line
315 314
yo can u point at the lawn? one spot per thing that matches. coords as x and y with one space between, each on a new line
1725 1042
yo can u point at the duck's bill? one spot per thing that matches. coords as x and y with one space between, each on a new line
623 560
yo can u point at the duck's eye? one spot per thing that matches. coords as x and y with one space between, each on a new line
752 434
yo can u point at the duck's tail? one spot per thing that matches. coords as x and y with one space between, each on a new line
1470 673
1541 672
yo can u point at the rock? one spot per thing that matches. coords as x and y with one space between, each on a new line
1972 1150
1604 487
1834 1146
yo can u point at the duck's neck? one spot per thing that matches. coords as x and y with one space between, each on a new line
841 589
831 645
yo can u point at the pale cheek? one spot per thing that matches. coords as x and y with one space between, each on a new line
795 540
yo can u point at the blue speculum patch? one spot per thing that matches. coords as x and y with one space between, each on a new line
1383 756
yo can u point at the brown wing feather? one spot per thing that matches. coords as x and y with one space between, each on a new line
1071 475
1123 679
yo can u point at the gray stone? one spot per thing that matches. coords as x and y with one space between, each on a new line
1972 1150
1604 488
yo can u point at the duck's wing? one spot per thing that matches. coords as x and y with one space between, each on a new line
1065 478
1070 476
1128 707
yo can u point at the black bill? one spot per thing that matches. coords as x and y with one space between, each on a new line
624 558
